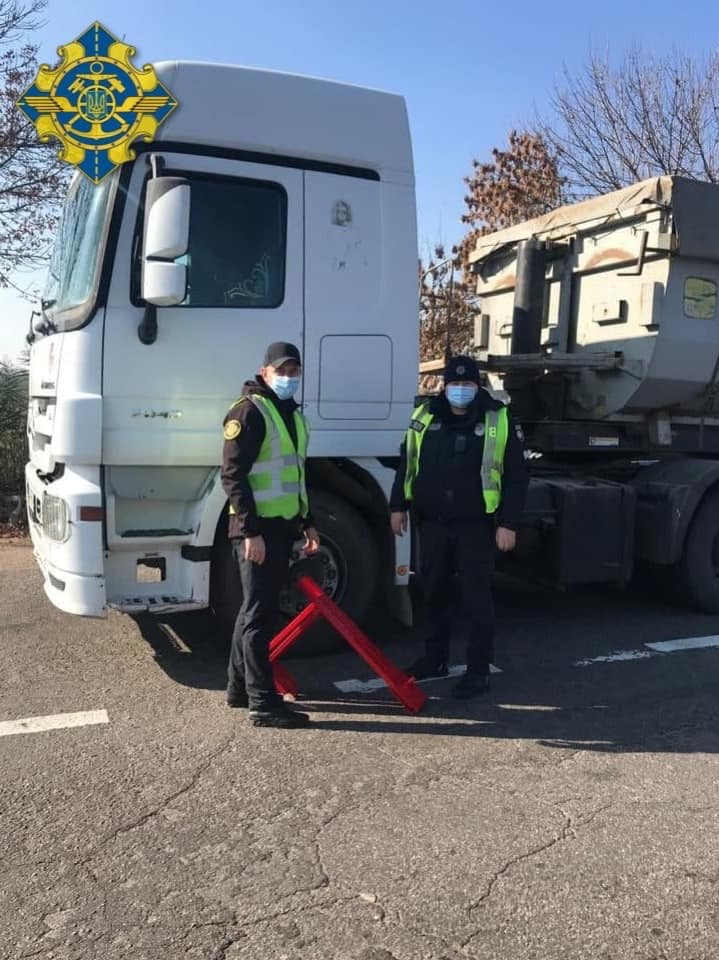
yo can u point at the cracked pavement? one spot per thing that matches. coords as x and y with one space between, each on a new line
570 814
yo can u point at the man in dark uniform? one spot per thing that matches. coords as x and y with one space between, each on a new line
263 475
463 473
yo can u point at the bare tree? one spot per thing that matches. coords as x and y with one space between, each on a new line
32 178
19 17
13 416
610 127
648 116
446 317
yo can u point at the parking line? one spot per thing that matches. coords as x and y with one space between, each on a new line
652 649
690 643
57 721
616 655
644 653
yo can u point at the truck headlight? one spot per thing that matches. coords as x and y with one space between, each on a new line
55 518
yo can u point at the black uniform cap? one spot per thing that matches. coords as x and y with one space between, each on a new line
461 368
278 353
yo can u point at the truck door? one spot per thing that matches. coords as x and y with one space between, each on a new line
163 403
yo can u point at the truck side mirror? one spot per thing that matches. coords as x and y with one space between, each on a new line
166 237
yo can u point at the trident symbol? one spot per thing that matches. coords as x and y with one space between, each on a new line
96 103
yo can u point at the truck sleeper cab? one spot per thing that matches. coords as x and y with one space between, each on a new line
270 207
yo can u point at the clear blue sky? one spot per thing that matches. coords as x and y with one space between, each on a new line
470 71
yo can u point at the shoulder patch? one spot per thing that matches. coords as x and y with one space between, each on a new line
416 425
232 429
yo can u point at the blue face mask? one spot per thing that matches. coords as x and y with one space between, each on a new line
285 387
461 395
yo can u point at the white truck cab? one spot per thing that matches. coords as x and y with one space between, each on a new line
271 207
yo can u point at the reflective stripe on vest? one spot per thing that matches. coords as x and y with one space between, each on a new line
496 431
277 477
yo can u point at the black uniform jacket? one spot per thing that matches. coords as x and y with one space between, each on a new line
449 484
238 456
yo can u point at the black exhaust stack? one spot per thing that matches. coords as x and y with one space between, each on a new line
529 292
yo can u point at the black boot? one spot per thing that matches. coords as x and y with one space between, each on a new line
426 667
471 685
278 715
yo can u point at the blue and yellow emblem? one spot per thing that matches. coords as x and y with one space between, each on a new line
96 103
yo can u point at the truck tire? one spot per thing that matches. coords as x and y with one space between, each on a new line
225 585
346 568
700 562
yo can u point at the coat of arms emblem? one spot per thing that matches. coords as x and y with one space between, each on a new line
96 103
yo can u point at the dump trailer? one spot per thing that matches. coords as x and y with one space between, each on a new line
600 321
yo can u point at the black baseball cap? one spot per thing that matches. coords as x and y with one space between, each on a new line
461 368
278 353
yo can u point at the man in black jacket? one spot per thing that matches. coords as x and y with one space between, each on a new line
263 475
463 473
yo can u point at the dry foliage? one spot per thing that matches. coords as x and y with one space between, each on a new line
32 178
519 182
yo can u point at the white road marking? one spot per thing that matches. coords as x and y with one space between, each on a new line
690 643
616 655
55 722
652 649
644 653
366 686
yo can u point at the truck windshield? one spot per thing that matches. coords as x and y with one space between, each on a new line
77 254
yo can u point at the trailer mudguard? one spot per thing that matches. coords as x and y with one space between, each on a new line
668 495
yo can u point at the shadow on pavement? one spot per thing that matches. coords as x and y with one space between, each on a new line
188 647
662 704
685 722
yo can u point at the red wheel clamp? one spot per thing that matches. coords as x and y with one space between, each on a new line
284 681
320 605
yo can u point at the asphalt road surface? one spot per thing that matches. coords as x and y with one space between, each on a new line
572 813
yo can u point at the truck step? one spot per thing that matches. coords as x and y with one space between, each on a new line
161 603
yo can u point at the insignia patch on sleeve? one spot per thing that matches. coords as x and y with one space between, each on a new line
232 429
416 425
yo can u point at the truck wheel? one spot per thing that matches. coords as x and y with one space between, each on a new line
225 585
346 568
700 563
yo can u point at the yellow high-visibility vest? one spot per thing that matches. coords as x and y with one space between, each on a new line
277 477
496 432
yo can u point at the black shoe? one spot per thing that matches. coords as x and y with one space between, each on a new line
471 685
427 667
278 716
236 697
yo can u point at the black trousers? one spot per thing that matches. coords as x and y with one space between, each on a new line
257 621
456 564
